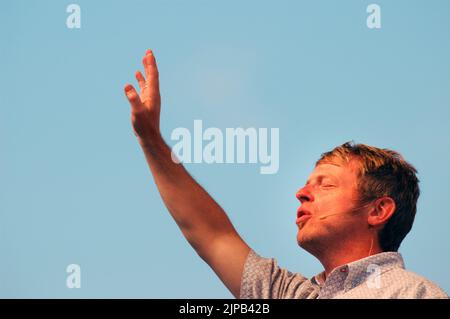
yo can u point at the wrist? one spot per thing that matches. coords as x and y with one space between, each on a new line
151 140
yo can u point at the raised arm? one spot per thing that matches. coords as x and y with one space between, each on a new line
201 220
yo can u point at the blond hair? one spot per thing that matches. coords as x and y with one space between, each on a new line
383 172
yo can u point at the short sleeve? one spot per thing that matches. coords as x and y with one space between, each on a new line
262 278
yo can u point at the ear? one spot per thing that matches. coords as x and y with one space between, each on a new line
384 208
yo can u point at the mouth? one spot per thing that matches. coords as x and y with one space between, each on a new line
302 216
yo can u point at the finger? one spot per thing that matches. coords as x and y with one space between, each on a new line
141 80
151 69
133 98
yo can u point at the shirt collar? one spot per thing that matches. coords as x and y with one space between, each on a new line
356 272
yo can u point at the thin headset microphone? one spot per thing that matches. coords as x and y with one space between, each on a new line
349 212
357 209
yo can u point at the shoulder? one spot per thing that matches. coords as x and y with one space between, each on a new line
407 284
264 278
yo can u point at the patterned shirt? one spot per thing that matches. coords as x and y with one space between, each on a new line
378 276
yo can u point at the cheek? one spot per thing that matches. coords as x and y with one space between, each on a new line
330 202
327 203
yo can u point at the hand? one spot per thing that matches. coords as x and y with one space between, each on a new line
146 106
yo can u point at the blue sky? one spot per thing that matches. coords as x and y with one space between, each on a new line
75 186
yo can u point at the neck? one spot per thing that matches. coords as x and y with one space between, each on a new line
347 252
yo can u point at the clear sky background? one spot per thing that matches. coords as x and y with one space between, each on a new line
75 187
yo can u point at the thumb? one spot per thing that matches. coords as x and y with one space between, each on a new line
134 99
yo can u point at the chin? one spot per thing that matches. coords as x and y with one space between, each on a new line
307 238
303 237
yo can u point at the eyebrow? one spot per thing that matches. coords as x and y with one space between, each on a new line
320 177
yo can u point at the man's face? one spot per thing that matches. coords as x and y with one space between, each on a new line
331 190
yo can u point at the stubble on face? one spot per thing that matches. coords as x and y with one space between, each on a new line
333 189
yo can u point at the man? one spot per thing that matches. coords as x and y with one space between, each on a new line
356 208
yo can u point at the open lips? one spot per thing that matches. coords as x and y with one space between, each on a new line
302 215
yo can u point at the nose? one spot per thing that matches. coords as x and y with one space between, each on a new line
304 195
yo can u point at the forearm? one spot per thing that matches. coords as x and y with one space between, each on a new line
199 217
202 221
